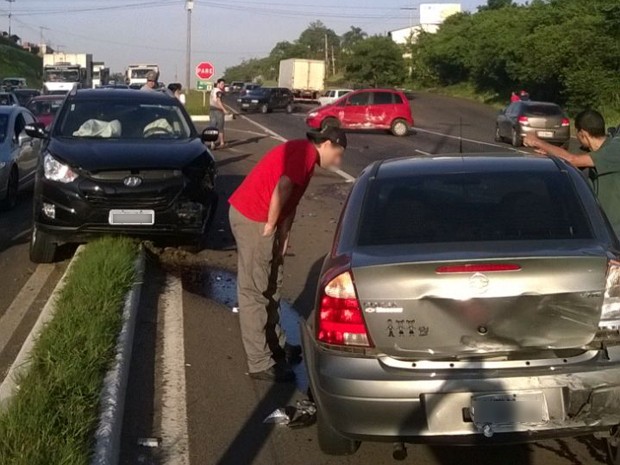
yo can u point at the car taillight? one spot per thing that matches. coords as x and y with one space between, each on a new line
478 268
565 122
524 120
340 319
610 314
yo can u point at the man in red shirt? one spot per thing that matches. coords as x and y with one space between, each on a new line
262 211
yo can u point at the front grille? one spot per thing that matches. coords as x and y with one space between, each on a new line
129 201
146 175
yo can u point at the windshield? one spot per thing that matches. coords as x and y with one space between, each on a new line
62 75
99 119
12 82
473 207
44 107
4 127
6 99
140 73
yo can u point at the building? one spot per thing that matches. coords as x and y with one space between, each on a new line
432 15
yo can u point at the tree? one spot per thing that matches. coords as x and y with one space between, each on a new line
496 5
314 37
351 38
376 61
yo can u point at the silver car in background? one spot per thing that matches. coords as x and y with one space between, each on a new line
19 154
545 120
467 300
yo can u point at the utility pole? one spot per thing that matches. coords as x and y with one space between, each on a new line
189 5
326 53
333 62
10 15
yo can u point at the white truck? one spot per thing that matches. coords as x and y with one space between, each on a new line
101 74
305 78
136 74
63 72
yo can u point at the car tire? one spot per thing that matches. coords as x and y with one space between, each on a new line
516 140
498 135
264 109
332 443
289 108
399 128
42 248
330 122
12 190
613 447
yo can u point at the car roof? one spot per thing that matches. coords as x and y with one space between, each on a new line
395 91
8 109
123 94
474 163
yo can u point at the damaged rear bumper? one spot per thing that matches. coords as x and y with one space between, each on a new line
365 398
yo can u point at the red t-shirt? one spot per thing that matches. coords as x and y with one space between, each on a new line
295 159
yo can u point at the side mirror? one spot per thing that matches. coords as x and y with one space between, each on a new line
36 130
24 139
210 135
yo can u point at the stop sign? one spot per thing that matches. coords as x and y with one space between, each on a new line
205 70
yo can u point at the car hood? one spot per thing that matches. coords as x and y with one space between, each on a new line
102 155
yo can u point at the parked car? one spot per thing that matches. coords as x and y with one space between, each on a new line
8 98
467 299
19 154
366 109
121 162
330 96
45 107
546 120
236 86
248 87
14 82
267 99
25 95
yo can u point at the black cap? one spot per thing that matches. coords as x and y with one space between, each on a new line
329 133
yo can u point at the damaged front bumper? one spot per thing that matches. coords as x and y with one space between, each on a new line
383 399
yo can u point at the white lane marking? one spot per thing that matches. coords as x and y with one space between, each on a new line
346 176
22 303
174 429
464 139
422 152
16 237
254 133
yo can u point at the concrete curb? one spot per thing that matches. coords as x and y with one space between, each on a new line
112 400
207 118
21 363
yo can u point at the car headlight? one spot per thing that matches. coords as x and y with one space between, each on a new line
313 114
56 171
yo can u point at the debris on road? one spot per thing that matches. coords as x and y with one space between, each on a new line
149 442
278 417
302 415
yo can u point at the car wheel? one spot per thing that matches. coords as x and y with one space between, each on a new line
264 109
12 189
613 447
330 122
289 108
330 442
400 128
517 140
498 134
42 249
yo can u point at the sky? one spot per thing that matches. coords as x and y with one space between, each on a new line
224 32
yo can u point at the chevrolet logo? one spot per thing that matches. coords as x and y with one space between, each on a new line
132 181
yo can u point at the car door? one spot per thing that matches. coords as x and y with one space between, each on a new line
509 118
355 111
382 109
28 148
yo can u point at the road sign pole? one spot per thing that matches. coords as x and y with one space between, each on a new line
204 98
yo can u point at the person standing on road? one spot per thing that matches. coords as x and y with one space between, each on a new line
604 156
217 111
262 211
176 89
151 81
514 97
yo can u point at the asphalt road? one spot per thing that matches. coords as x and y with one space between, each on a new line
224 408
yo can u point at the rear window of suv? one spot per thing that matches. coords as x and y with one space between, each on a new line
466 207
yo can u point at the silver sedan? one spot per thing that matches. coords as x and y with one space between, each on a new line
19 154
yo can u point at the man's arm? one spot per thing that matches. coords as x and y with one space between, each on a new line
545 148
284 232
220 104
281 195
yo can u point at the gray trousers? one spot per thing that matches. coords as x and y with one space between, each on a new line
259 282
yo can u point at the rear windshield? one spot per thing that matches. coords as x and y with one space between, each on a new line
472 208
542 110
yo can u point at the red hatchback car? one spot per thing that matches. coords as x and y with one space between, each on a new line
366 109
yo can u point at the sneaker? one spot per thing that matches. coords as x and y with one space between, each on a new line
275 374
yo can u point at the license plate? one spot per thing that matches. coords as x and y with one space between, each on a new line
132 217
545 133
245 105
505 409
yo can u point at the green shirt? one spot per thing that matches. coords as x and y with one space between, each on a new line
607 163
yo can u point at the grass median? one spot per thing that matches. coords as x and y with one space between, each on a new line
194 101
53 416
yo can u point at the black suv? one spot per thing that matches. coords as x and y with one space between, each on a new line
267 99
121 162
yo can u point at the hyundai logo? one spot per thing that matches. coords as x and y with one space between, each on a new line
132 181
